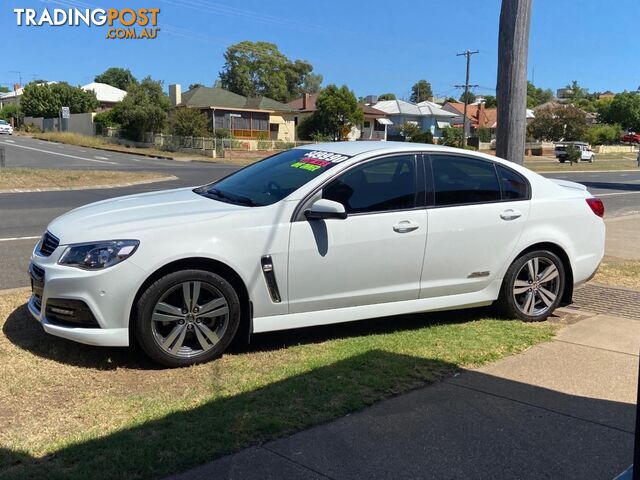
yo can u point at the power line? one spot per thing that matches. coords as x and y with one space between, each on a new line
466 86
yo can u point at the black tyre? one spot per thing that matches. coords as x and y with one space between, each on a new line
187 317
532 287
562 160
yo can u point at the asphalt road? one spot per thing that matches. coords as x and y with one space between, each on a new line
24 216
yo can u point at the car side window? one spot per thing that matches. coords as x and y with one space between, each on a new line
461 180
377 186
514 186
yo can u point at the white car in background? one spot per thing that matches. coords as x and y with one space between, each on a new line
5 128
315 235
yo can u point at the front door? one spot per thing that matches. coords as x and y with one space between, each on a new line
375 255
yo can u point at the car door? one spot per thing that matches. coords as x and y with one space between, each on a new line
375 255
478 214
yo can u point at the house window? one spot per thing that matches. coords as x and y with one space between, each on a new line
367 124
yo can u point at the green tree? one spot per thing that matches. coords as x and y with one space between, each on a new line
195 85
567 123
117 77
537 96
623 109
470 96
422 137
189 122
256 69
409 130
421 91
336 110
312 83
10 111
490 101
46 100
143 110
573 154
577 92
603 134
4 89
386 96
452 136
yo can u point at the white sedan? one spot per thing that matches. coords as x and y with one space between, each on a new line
315 235
6 128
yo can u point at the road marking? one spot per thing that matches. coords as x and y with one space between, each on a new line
612 194
60 154
10 141
14 239
100 158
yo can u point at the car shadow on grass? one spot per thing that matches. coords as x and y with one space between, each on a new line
23 331
460 428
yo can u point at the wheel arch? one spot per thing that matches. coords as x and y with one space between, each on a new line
210 265
567 294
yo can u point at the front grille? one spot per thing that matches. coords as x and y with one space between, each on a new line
38 272
48 244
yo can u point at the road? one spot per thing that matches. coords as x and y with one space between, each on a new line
24 216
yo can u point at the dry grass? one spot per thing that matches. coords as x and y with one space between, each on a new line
29 178
103 144
544 164
72 411
624 274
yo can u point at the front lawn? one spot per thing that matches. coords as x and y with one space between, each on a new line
76 412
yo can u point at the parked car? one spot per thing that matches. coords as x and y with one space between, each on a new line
315 235
5 128
631 137
586 154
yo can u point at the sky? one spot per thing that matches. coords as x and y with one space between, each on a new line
373 47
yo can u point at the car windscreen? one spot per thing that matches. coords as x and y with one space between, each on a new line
3 122
273 178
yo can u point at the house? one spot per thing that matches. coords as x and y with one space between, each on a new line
244 117
374 126
107 95
429 116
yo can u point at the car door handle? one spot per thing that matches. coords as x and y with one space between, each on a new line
405 227
510 214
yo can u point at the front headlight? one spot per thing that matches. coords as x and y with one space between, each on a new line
98 255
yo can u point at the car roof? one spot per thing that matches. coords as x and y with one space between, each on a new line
357 148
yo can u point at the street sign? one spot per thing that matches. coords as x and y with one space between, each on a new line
65 112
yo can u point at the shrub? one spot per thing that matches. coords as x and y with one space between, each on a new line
484 134
422 137
189 122
452 136
104 120
409 130
10 111
222 133
603 134
573 153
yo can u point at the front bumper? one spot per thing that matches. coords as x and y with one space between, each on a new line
108 294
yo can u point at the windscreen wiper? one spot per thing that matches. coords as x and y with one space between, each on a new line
239 199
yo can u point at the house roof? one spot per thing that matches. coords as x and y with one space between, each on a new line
105 93
424 109
207 97
19 92
485 117
298 104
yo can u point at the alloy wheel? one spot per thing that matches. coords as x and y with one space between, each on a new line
536 286
189 319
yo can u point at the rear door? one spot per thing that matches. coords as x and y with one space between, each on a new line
478 213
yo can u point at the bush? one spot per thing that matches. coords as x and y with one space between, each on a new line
422 137
452 136
189 122
603 134
104 120
222 133
484 134
409 130
573 153
321 137
10 111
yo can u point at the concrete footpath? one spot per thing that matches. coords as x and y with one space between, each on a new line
562 409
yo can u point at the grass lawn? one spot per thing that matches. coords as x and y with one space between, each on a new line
100 143
613 162
17 178
75 412
624 274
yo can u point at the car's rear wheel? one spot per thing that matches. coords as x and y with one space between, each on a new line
532 287
187 317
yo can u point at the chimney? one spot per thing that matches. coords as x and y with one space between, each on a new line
175 94
481 116
305 100
16 86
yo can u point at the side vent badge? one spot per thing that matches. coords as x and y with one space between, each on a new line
270 278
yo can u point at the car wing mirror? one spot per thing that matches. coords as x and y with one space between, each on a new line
324 209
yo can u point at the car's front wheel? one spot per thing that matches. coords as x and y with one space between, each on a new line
187 317
532 287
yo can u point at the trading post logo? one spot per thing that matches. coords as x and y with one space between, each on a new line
122 23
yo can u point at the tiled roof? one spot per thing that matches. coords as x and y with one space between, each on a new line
298 104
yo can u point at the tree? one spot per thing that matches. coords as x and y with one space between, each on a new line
513 48
421 91
452 136
144 109
256 69
4 89
189 122
490 101
537 96
11 111
564 122
470 96
623 109
603 134
46 100
409 130
117 77
195 85
386 96
336 111
577 92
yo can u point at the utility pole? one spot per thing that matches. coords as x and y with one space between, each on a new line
15 97
511 91
466 86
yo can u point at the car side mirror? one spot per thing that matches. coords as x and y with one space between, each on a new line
324 209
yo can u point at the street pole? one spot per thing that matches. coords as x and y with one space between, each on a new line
466 86
511 91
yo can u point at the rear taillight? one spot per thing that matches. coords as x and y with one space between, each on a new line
597 206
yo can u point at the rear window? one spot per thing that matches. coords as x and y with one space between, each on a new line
514 186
